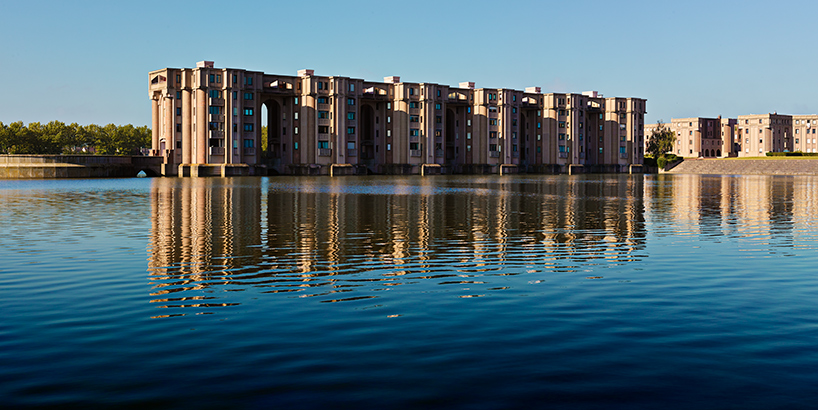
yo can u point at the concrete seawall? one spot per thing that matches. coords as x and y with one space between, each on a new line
75 166
799 166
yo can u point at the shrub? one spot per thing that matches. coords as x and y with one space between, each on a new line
661 162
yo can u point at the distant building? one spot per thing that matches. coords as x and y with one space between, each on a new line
698 137
212 117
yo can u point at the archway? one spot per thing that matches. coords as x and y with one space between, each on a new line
448 139
718 153
366 127
271 145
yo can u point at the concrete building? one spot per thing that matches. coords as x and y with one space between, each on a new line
757 135
699 137
208 120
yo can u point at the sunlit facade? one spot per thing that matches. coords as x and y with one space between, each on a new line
209 120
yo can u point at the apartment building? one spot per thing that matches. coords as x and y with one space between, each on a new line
758 134
208 120
699 137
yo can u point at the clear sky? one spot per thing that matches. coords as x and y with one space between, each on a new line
88 61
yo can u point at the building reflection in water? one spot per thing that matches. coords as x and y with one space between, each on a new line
346 239
754 207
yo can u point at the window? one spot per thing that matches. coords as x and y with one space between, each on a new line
323 114
562 124
323 144
215 93
493 134
249 143
414 104
350 101
295 101
468 123
438 120
295 116
295 131
248 127
492 147
562 148
320 85
178 127
350 130
235 79
468 135
248 111
295 144
178 110
438 105
388 107
623 150
414 118
539 125
178 78
389 147
178 95
322 100
323 129
352 87
212 78
438 93
414 132
235 95
350 115
414 146
248 80
248 96
493 121
411 91
215 110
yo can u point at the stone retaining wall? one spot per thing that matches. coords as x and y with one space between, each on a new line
747 167
75 166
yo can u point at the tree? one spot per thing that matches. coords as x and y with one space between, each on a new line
660 141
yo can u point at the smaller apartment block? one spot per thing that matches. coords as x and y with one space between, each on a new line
252 122
746 136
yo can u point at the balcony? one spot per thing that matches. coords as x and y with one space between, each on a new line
216 150
323 137
414 152
352 152
249 151
439 153
563 155
219 102
515 155
413 138
324 152
324 121
623 155
494 154
216 117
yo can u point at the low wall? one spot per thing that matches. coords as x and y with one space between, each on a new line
75 166
801 166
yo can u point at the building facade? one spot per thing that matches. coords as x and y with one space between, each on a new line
235 121
699 137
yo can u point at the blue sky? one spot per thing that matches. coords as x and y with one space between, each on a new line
87 61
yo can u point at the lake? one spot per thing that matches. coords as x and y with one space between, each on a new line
456 292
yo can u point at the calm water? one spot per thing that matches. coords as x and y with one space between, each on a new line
407 292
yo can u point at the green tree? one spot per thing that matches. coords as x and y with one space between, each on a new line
660 141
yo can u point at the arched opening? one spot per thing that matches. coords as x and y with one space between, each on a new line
366 129
451 152
718 153
271 140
